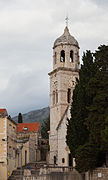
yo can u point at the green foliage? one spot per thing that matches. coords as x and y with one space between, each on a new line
98 90
86 157
20 118
77 132
45 128
87 130
48 147
104 133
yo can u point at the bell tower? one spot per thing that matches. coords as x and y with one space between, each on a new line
62 82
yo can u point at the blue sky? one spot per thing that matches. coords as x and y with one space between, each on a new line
28 29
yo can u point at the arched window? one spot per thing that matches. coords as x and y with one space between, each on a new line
56 97
69 95
63 160
71 56
62 56
54 159
53 97
55 58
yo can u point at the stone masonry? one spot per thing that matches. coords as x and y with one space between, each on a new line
62 82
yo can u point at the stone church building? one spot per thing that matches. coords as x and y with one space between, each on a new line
62 82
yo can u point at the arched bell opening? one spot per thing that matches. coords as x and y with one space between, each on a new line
62 56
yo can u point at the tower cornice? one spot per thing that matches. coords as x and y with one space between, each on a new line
63 69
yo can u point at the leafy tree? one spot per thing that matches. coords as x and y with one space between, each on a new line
45 128
20 118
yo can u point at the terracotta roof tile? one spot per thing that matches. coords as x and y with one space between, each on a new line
3 111
25 127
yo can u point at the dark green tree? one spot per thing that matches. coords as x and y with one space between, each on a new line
98 110
45 128
20 118
89 112
104 133
77 131
83 154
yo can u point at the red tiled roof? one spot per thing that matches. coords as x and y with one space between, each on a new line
28 127
3 111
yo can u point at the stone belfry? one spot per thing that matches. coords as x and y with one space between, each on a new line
62 82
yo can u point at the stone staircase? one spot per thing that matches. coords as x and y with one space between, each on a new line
18 173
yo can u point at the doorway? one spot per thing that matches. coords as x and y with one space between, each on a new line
70 159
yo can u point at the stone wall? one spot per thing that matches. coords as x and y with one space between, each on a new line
3 147
11 145
63 150
67 48
61 176
99 174
7 146
55 176
62 83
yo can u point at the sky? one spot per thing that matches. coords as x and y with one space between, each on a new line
28 29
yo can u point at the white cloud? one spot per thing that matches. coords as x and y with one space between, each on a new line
28 29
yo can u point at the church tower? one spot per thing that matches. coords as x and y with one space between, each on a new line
62 82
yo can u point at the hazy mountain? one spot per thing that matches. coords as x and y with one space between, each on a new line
34 116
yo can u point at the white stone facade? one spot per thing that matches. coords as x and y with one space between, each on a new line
63 150
62 82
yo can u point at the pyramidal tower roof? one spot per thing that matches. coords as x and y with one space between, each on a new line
66 38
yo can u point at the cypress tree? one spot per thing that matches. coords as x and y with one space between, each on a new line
94 101
98 110
45 128
20 118
77 132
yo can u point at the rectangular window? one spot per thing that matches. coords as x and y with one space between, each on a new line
13 153
71 56
55 58
53 97
9 151
69 95
62 56
25 128
14 131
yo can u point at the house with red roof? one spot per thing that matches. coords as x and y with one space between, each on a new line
27 135
18 144
27 127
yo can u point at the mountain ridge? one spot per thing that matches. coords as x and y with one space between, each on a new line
38 115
